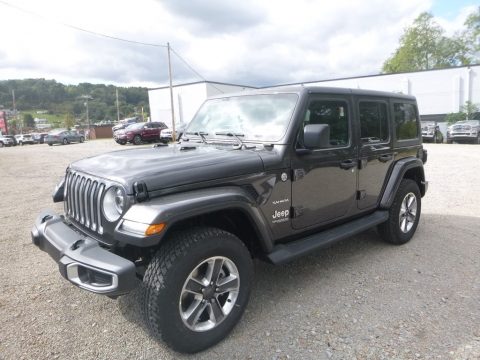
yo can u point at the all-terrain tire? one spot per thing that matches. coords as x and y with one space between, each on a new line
163 293
404 214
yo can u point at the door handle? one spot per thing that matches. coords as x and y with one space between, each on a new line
385 158
348 164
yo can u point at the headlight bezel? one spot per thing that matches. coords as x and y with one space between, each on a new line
114 203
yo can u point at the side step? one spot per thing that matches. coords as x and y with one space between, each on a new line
283 253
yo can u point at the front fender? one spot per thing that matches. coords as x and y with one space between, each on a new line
171 209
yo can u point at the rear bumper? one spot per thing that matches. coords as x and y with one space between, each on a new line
81 260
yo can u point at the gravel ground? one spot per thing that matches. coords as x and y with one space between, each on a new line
360 299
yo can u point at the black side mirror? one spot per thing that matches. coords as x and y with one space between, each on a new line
316 136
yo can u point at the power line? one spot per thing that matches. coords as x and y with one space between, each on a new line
81 29
193 70
74 27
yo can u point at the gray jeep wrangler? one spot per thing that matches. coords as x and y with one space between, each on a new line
272 174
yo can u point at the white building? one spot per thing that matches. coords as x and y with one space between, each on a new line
187 98
438 92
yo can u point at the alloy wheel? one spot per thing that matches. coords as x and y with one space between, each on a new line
408 212
209 294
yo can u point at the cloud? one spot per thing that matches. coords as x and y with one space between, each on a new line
218 16
247 42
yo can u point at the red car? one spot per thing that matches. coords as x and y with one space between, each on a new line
140 132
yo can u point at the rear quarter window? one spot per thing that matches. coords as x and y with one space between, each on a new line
406 121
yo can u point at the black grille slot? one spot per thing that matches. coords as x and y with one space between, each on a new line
83 200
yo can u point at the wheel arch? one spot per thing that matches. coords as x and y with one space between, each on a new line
408 168
228 208
234 220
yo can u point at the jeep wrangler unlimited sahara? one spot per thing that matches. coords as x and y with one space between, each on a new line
272 174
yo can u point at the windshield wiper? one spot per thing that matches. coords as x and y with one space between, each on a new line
201 134
235 135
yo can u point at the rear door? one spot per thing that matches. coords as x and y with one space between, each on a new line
375 150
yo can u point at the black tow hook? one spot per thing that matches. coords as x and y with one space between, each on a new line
46 218
77 244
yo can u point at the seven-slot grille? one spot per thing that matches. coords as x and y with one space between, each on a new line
83 200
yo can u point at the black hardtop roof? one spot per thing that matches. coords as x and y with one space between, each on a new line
301 89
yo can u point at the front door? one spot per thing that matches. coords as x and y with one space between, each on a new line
375 153
324 180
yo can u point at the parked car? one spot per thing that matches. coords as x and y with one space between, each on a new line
467 131
24 139
63 137
166 134
6 140
124 123
431 132
271 175
39 137
139 132
12 138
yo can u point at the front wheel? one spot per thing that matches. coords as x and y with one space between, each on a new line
65 141
137 140
196 288
81 139
404 214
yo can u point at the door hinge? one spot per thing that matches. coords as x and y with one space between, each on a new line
297 211
361 194
298 174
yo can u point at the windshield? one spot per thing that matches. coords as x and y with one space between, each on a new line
253 117
135 126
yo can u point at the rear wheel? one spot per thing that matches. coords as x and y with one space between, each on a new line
50 144
1 144
65 141
81 139
196 288
404 214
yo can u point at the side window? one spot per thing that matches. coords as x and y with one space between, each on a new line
406 121
373 121
333 113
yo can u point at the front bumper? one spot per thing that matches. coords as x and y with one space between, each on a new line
462 136
81 260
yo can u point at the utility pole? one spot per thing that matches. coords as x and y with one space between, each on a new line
15 111
118 108
171 91
87 97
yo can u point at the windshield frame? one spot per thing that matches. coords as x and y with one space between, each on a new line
213 137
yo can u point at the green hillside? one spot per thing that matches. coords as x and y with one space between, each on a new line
59 99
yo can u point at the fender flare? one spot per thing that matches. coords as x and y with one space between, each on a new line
398 172
170 209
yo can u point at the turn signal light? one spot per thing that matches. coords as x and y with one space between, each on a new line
154 229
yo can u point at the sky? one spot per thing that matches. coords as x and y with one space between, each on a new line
248 42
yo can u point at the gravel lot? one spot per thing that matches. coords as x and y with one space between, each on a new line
360 299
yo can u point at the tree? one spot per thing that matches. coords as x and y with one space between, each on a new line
28 121
472 35
69 121
468 111
423 46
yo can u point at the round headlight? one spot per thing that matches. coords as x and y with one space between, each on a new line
113 203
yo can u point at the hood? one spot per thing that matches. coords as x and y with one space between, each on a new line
167 166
